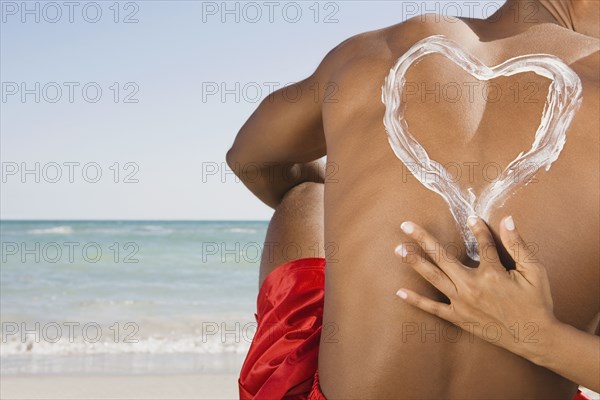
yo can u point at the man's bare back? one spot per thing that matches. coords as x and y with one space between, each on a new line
375 346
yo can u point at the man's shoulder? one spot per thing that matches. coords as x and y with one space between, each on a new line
376 39
386 42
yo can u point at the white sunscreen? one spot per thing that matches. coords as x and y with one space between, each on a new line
562 102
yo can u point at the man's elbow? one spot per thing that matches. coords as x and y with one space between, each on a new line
236 162
233 158
230 157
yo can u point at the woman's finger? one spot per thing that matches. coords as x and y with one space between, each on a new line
523 254
488 254
436 308
427 270
432 247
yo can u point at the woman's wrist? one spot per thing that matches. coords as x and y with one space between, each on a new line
569 352
541 347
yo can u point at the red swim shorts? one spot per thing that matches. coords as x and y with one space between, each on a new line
283 358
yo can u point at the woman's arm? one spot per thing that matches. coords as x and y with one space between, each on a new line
573 354
518 302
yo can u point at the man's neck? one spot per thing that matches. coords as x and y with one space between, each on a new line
515 17
579 16
560 11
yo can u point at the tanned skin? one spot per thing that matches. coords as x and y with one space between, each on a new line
373 345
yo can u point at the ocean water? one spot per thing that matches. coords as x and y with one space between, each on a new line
127 297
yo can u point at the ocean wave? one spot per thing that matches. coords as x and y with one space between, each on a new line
108 231
241 230
55 230
193 344
155 230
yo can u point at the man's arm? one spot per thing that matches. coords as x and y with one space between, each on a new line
280 144
276 148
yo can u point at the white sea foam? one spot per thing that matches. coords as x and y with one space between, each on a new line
55 230
241 230
155 230
233 342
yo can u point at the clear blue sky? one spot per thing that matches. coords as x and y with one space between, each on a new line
168 63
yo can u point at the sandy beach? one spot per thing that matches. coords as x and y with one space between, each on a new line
176 387
119 387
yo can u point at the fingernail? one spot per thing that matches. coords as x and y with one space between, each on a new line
509 223
407 227
472 220
402 294
401 250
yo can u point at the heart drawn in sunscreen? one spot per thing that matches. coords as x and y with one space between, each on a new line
563 101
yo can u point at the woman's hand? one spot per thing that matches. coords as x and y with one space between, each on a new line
509 308
506 307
